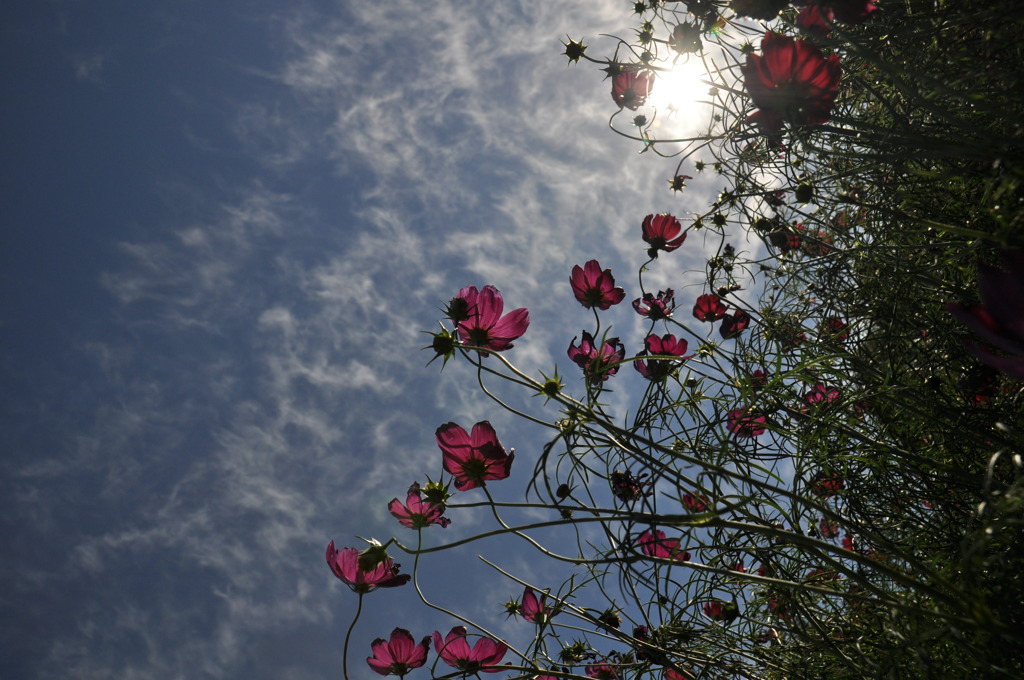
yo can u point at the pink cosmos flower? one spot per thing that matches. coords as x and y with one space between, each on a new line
734 324
654 544
536 610
598 364
820 395
825 484
666 345
484 656
631 87
999 319
694 503
417 513
709 307
593 287
345 565
656 307
602 671
717 610
662 232
483 324
792 81
746 423
399 655
473 459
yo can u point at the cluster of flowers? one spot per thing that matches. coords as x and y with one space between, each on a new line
400 654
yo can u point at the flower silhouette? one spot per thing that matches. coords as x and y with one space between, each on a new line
593 287
656 369
734 324
709 307
656 307
399 655
791 81
345 565
473 459
417 513
598 364
456 652
481 322
662 232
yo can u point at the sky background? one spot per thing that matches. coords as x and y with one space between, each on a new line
225 226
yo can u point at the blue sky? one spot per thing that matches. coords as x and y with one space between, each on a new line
226 224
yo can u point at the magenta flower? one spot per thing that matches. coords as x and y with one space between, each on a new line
666 345
345 565
717 610
745 423
473 460
598 364
484 656
662 232
824 485
417 513
631 87
828 528
999 319
734 324
656 307
793 81
694 503
654 544
593 287
482 324
536 610
399 655
709 307
820 395
602 671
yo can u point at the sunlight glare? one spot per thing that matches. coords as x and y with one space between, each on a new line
680 98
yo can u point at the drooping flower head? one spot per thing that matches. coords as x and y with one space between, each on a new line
598 363
709 307
345 565
743 422
656 307
999 319
473 459
662 232
594 287
631 86
534 609
485 655
666 345
790 81
654 544
417 513
399 655
734 324
481 322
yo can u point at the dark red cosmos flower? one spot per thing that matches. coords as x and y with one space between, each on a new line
833 328
656 307
631 86
536 610
828 528
481 322
662 232
821 394
758 379
695 503
709 307
473 459
734 324
345 565
825 484
999 319
654 544
628 487
399 655
716 610
745 423
793 81
593 287
598 364
417 513
666 345
484 656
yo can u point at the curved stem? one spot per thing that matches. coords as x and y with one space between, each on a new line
348 635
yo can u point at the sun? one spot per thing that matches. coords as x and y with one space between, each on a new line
680 95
